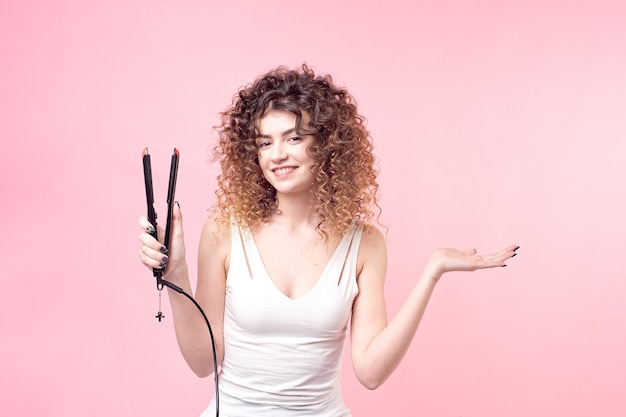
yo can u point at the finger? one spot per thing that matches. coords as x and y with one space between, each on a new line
508 252
511 248
493 265
144 223
153 258
505 253
501 257
177 216
177 222
470 252
147 226
491 261
149 241
151 262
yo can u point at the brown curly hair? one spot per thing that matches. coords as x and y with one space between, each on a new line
345 187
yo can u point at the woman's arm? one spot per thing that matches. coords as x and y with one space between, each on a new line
378 346
191 331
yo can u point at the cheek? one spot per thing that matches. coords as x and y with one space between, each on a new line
262 163
305 154
261 160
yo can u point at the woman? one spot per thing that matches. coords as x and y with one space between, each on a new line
290 256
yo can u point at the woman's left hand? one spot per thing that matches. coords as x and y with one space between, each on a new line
448 260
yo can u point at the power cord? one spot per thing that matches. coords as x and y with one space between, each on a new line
206 320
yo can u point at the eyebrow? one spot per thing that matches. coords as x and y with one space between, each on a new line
285 133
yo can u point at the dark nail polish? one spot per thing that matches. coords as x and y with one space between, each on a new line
515 249
502 266
151 229
163 249
515 254
165 260
161 265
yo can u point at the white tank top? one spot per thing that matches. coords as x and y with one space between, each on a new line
282 356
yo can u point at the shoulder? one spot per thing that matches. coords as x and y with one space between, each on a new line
214 248
373 249
215 232
372 239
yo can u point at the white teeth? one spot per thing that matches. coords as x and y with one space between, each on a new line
283 171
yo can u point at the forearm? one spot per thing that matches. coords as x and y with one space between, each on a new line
191 330
388 348
379 346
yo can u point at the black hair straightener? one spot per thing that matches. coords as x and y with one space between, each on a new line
152 215
158 272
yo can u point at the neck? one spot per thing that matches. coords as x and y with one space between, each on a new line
295 210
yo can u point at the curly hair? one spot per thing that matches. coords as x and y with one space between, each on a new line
345 174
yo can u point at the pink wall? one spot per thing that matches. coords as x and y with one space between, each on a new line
495 123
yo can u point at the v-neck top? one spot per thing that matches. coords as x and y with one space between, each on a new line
282 356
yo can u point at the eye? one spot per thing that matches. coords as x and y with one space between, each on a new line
295 139
263 144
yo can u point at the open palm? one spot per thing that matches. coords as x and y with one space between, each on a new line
448 260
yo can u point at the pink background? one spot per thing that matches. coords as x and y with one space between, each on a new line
495 123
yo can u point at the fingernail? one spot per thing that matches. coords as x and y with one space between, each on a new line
515 249
151 229
177 203
515 254
161 265
164 250
502 266
165 260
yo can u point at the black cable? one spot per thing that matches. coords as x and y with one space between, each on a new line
181 291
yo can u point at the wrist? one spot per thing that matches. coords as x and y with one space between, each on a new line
432 271
176 273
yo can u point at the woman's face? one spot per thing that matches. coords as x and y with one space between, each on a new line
282 152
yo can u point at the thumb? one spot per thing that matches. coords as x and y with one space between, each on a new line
176 227
177 218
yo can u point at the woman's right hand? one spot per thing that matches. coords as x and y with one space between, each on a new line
152 252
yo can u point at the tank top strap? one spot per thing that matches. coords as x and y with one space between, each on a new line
240 242
347 251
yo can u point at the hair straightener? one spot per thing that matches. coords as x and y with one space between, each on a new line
158 272
152 215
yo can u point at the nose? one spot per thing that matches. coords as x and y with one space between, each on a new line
279 152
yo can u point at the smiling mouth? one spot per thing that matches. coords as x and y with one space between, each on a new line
283 171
